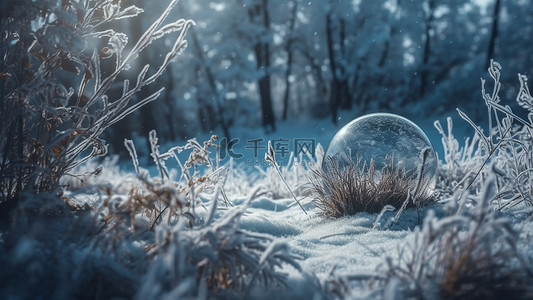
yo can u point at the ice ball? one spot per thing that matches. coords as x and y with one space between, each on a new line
385 140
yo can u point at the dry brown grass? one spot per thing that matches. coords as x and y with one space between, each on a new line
56 100
343 191
471 254
471 268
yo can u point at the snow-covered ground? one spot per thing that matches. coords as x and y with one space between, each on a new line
347 245
262 235
325 248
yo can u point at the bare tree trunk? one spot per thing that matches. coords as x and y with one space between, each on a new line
335 85
339 94
427 49
316 68
382 77
494 33
392 34
344 92
266 103
288 49
221 119
264 84
262 55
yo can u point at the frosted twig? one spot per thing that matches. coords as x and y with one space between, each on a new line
400 211
482 165
270 157
163 171
133 153
386 208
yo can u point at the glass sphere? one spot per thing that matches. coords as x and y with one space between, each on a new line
385 140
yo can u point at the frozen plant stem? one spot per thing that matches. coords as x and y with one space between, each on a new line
133 153
491 101
55 123
482 165
386 208
270 157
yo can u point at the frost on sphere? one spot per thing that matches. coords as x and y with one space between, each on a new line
384 139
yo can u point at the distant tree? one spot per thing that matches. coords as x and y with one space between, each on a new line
335 85
336 45
290 54
251 60
424 72
392 30
494 32
258 12
374 55
203 66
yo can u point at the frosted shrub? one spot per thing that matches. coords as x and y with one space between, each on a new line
476 252
506 148
48 126
472 254
458 161
219 256
197 250
481 248
165 195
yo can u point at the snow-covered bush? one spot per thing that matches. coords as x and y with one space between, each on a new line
472 254
218 257
506 148
458 161
196 252
154 197
55 96
143 236
476 252
481 249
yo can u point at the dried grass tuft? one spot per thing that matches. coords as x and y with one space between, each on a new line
472 254
343 191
